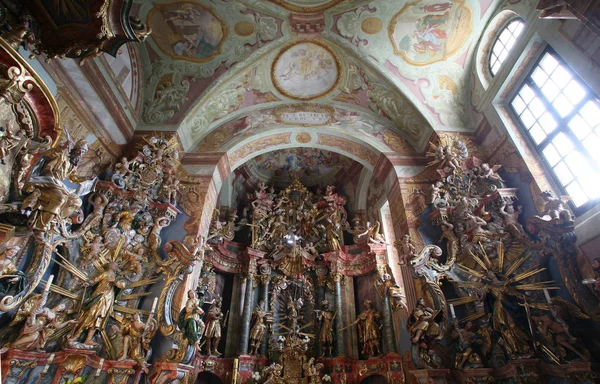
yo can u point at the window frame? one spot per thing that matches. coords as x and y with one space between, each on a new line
507 22
562 124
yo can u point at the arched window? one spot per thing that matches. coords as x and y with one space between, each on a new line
561 115
504 43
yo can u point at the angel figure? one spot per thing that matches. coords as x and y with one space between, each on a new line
360 231
489 173
555 332
374 235
555 207
136 338
449 155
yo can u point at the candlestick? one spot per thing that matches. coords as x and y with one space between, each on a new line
154 305
48 283
547 294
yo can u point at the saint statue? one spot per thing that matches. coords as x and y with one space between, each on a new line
189 320
212 332
325 318
10 277
97 307
368 329
136 338
260 320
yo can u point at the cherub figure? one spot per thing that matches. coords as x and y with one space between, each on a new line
406 249
489 173
511 218
90 251
437 191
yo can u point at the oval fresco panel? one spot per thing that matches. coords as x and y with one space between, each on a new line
186 30
427 31
306 70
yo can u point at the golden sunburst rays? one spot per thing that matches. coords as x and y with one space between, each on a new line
444 141
509 281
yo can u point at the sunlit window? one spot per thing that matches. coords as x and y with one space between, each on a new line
504 43
562 117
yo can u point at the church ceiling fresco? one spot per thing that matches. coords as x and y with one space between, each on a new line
309 117
313 166
209 63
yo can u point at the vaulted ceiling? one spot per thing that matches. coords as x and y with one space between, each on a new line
386 71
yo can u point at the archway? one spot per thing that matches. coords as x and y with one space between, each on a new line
374 379
208 378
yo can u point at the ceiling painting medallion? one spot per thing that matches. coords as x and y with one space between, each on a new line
371 25
427 31
306 70
307 6
303 137
304 115
187 30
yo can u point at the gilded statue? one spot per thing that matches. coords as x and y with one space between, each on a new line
11 279
260 322
515 341
212 331
313 371
422 324
293 315
555 331
97 308
325 319
190 321
467 339
273 374
8 141
136 338
48 199
368 329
